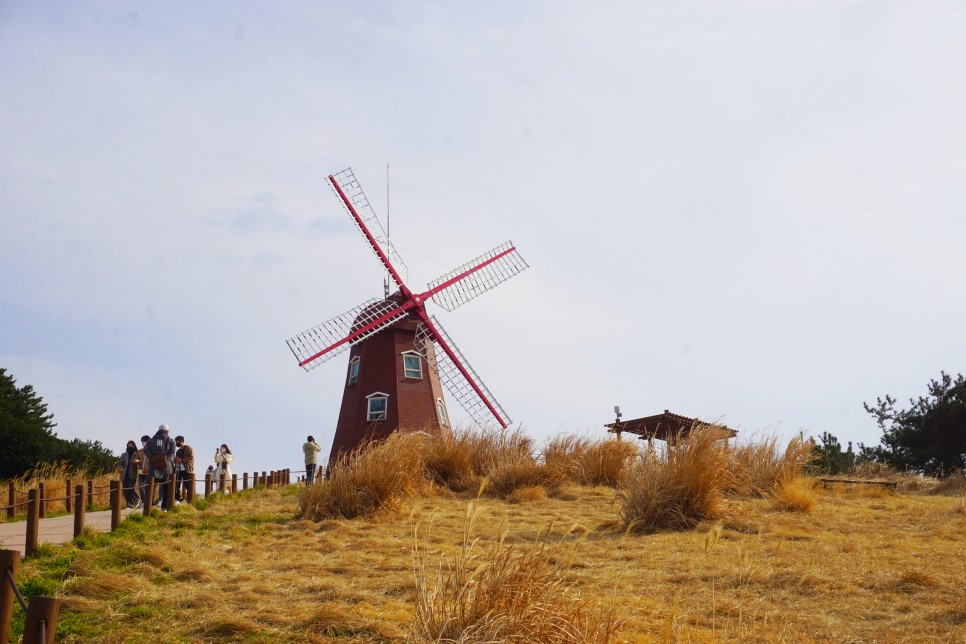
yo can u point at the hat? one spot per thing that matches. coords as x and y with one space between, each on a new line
163 428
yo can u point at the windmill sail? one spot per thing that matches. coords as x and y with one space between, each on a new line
332 337
456 374
365 218
474 278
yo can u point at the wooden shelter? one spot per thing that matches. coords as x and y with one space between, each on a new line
665 427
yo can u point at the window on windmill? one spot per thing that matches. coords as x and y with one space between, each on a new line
441 410
354 371
377 408
412 365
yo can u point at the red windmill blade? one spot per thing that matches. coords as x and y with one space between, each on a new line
462 383
390 339
327 340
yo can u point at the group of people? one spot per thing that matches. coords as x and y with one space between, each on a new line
161 458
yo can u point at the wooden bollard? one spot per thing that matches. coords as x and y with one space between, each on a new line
207 485
78 512
9 562
67 497
90 494
264 478
222 481
234 483
190 495
42 499
115 505
11 499
33 522
169 494
149 502
41 621
245 481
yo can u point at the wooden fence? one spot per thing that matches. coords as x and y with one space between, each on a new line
42 612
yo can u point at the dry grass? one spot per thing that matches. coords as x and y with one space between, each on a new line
379 476
55 476
761 467
680 486
886 569
585 461
503 592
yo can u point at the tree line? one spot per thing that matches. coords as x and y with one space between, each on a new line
28 439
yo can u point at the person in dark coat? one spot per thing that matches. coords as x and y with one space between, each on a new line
129 474
159 452
184 467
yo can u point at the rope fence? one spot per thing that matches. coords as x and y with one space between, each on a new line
42 612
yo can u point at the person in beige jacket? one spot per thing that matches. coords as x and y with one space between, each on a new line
311 450
223 458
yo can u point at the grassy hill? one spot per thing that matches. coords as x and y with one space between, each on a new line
852 565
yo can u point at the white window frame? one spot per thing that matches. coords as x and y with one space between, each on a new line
419 361
354 364
379 415
441 411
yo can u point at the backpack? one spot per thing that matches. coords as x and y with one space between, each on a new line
159 461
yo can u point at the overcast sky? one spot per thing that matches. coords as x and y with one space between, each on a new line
746 211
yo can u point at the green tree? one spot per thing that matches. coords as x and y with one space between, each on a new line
27 437
829 457
929 436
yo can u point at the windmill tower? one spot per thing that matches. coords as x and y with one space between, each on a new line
400 357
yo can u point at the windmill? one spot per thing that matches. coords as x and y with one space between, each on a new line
399 354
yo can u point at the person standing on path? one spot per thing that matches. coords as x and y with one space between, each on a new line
160 452
184 467
129 474
311 449
223 458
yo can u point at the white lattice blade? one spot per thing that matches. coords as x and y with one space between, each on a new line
459 387
492 268
353 191
327 340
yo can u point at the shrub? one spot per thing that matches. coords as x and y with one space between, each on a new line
761 467
680 486
586 462
503 593
376 476
794 495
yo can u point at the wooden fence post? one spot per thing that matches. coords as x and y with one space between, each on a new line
190 496
149 502
115 505
33 522
78 512
41 620
207 485
11 499
67 497
264 478
9 561
90 494
169 494
42 499
245 481
221 483
234 483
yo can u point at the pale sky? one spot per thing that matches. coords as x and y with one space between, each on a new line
751 212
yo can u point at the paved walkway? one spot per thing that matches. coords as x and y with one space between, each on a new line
56 530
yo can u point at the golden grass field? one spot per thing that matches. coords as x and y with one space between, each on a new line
856 565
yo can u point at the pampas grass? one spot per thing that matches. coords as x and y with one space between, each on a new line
376 476
503 592
680 486
584 461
